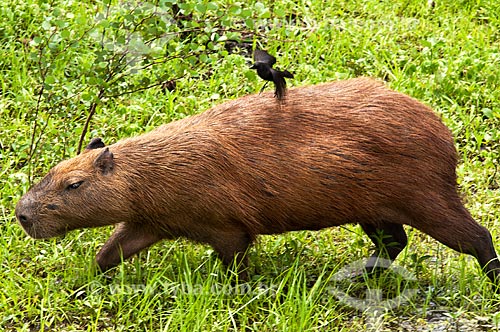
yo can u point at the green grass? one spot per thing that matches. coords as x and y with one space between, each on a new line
447 56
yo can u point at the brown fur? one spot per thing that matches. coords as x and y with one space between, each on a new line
343 152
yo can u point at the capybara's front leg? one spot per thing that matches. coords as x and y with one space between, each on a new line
127 240
231 248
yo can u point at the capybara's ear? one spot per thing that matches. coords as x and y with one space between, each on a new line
104 161
95 143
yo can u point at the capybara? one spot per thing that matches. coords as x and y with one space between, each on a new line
343 152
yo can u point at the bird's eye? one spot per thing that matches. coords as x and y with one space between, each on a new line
74 185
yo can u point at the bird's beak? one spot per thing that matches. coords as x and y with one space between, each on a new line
253 66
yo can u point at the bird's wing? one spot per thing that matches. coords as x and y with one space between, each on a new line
263 56
286 73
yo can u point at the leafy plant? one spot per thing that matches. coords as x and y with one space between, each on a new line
82 63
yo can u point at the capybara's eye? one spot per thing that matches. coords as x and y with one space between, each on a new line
75 185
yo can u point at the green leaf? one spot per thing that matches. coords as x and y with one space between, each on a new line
249 22
250 75
235 10
212 6
259 7
186 8
46 25
192 59
488 112
204 57
200 8
65 34
36 41
104 23
61 24
87 96
50 80
265 14
246 13
279 12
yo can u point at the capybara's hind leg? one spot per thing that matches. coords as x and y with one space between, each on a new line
455 228
389 239
470 238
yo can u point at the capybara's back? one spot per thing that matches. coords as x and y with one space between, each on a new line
344 152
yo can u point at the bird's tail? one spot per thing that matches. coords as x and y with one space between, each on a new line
280 83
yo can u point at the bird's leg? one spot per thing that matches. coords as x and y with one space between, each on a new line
263 87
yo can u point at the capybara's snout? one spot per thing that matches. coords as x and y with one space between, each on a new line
24 213
27 213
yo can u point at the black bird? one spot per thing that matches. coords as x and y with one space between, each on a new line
264 62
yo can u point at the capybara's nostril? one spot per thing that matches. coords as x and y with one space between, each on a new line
24 220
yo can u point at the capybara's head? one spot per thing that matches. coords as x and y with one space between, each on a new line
79 192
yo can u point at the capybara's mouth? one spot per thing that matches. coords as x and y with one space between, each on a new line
33 232
37 233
